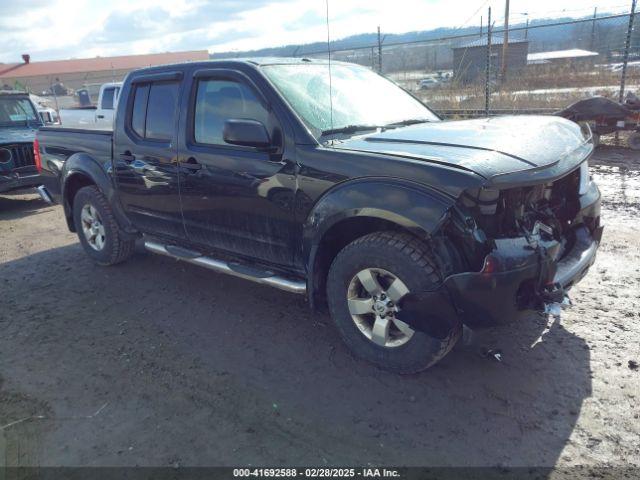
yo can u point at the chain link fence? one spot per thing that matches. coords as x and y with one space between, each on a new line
540 68
537 66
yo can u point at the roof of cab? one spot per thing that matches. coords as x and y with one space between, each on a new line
253 62
260 61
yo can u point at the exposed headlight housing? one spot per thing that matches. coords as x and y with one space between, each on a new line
585 178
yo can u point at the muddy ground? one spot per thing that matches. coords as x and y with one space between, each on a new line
159 363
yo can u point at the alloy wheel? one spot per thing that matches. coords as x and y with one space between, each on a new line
92 227
372 297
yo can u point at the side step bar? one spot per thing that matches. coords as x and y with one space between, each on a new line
265 278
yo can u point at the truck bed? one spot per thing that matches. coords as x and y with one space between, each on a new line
61 142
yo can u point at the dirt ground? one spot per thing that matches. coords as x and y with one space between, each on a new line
159 363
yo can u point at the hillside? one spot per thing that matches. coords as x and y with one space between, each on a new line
540 38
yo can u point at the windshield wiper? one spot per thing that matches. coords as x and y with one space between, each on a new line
361 128
406 123
350 129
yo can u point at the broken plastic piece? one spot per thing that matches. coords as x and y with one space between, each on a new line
554 309
494 354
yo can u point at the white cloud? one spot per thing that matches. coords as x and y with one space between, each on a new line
85 28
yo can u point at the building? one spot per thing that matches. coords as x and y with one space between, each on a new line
38 77
572 56
470 58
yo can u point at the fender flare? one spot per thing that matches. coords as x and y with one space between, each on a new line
82 164
418 208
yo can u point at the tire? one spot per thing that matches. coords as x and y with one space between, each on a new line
387 255
109 246
634 141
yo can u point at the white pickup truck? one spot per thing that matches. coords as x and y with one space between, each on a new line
98 117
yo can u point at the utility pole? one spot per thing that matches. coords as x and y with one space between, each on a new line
480 26
379 51
627 47
487 79
526 30
505 41
593 28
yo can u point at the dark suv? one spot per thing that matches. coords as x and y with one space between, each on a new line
19 120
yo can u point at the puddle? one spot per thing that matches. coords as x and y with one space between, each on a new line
620 187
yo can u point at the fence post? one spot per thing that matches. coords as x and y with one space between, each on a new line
379 51
487 79
593 29
627 47
505 43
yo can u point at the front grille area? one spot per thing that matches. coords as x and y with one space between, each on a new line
514 212
22 155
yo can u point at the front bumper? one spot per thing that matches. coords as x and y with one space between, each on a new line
518 278
519 275
14 181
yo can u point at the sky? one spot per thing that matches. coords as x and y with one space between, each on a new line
59 29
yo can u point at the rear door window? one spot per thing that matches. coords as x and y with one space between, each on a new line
154 110
161 111
139 113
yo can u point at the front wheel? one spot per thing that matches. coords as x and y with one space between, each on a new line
365 286
98 231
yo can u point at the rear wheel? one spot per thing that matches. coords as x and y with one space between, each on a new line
367 281
98 231
634 141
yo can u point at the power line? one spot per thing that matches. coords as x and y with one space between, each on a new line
473 15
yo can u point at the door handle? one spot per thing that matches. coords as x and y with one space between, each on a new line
192 164
127 157
100 116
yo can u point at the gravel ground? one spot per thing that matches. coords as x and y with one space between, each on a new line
159 363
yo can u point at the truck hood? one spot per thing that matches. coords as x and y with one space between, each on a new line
504 150
10 135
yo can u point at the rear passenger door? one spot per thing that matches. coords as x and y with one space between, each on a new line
235 198
145 155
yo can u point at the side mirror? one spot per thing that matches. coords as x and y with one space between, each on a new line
248 133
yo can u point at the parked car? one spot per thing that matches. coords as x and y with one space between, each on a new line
428 83
438 79
19 120
48 116
98 117
405 226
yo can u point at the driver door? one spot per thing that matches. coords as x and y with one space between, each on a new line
235 198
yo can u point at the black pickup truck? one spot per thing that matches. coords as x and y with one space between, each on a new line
19 120
341 187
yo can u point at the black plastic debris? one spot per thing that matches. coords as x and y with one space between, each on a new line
493 354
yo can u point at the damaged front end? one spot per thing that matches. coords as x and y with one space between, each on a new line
506 252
